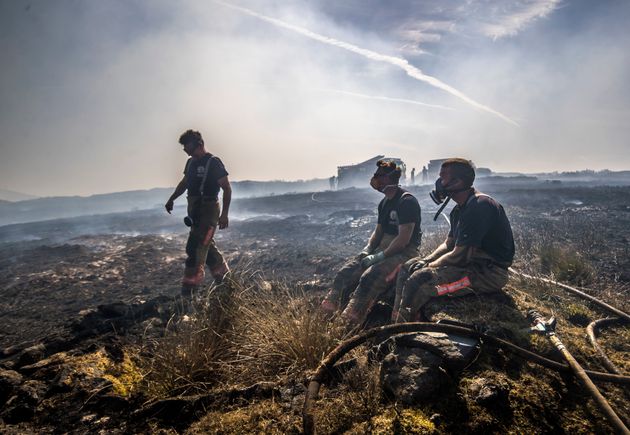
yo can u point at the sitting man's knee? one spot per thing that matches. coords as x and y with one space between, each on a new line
420 277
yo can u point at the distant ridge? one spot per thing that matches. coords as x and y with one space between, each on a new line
13 196
55 207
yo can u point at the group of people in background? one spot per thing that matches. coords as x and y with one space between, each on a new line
474 258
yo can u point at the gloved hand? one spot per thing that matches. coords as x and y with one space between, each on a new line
365 251
417 266
372 259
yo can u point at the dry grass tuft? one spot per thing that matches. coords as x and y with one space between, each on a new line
354 405
565 265
244 331
281 333
188 358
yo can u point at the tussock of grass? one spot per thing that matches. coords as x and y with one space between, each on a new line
189 358
244 331
565 265
281 333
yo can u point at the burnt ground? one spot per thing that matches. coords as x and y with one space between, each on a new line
56 274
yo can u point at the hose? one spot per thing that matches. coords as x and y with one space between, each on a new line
577 292
591 331
308 419
591 328
600 400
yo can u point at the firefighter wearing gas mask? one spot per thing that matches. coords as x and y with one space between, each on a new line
475 256
368 276
204 176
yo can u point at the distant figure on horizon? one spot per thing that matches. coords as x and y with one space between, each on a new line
413 176
367 276
475 256
204 175
425 175
333 182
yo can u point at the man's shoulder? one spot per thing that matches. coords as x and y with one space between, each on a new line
407 196
484 199
407 203
480 203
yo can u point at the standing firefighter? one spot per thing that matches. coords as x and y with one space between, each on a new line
395 240
475 256
204 175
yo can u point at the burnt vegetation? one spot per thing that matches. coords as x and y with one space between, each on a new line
94 337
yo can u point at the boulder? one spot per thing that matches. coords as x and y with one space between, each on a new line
415 366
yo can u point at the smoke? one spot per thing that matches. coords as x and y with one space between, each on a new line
401 63
382 98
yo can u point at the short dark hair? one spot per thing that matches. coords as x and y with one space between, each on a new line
462 169
191 136
388 167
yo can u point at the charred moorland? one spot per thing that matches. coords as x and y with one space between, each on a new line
93 336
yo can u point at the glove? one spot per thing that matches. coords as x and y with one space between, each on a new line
372 259
365 251
417 266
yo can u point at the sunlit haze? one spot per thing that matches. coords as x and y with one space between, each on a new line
94 95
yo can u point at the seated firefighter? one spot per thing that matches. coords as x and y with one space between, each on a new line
475 256
395 240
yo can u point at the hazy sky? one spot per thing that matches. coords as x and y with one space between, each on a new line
94 94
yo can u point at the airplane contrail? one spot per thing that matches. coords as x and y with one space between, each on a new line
383 98
401 63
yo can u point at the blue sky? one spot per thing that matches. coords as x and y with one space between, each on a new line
93 95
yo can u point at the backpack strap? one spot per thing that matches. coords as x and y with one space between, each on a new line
205 175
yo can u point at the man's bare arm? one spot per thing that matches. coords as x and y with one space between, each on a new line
224 184
400 242
375 239
444 248
459 256
179 190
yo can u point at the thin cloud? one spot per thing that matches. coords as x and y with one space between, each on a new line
511 23
383 98
401 63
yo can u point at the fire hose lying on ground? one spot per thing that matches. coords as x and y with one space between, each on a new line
585 376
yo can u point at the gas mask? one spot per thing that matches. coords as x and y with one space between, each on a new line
376 185
442 195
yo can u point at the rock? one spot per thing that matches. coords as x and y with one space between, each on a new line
23 404
292 396
411 375
9 381
415 366
436 419
489 393
52 362
31 355
116 309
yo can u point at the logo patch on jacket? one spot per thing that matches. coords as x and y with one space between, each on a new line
393 217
